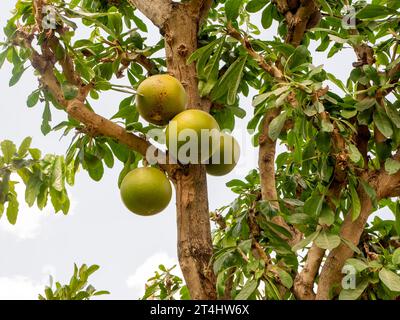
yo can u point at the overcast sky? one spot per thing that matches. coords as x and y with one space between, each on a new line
98 230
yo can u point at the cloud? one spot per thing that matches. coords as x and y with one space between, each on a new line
30 220
138 279
19 288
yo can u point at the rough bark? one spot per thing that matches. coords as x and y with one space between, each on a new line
303 286
194 228
351 230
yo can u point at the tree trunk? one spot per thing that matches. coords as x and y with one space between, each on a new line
331 274
194 229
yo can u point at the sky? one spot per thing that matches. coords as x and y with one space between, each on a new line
99 229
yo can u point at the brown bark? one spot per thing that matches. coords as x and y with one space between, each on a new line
194 229
303 286
350 230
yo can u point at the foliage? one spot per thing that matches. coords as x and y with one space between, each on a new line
339 135
77 289
165 286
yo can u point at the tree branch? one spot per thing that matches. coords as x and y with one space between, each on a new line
157 11
76 108
304 282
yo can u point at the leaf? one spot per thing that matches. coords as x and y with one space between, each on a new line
354 154
70 91
328 241
327 216
33 99
232 8
267 18
9 149
392 166
46 128
247 290
351 246
285 278
373 11
57 179
393 114
355 203
276 126
24 147
256 5
390 279
357 264
12 209
229 83
299 57
383 123
396 257
313 205
32 190
365 104
353 294
303 243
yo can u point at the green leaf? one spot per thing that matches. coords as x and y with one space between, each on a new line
353 294
373 11
46 128
370 192
9 149
365 104
12 209
36 154
354 154
396 257
57 178
267 18
32 190
229 83
70 91
247 290
256 5
33 99
327 216
355 203
285 278
313 205
326 240
393 114
276 126
24 147
390 279
392 166
232 8
351 246
357 264
383 123
299 57
303 243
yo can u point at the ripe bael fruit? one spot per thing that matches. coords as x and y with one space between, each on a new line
224 161
190 134
146 191
160 98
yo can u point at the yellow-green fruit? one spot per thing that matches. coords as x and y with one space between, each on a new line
190 134
146 191
229 153
160 98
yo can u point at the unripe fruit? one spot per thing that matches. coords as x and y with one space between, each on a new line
190 134
160 98
146 191
226 159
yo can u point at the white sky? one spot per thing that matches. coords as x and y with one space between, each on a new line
99 230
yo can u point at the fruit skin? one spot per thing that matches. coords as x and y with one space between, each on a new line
146 191
160 98
196 120
231 146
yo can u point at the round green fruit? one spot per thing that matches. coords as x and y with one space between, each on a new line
160 98
226 159
146 191
192 136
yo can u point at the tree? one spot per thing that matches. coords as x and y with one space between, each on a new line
342 161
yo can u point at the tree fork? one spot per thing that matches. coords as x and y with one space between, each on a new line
194 228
